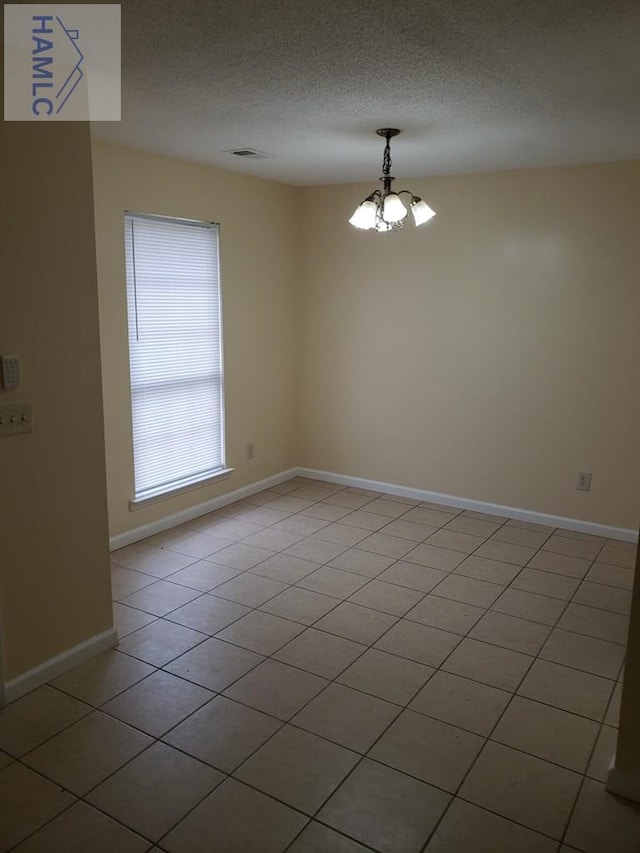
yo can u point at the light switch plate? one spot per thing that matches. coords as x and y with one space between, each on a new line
15 418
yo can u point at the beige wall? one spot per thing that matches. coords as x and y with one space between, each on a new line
259 272
490 354
54 568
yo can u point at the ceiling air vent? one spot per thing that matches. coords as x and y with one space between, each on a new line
248 153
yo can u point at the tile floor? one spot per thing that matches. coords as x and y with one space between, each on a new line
320 668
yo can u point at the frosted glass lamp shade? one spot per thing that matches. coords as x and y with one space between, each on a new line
365 215
393 209
421 211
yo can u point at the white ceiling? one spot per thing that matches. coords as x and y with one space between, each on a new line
475 85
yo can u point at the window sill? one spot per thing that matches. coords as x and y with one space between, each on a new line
139 503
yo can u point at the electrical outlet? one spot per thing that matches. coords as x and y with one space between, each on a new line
250 450
584 481
15 418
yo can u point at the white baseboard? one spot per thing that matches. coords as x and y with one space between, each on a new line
168 521
575 524
625 785
55 666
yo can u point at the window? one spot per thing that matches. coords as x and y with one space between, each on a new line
175 353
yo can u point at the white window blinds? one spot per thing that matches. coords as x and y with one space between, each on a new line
175 352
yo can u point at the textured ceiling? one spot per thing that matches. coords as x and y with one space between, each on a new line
475 84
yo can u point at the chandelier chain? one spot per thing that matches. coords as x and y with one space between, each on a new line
386 160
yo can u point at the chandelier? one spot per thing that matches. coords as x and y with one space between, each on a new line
384 210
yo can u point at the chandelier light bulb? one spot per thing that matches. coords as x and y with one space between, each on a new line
421 211
365 215
393 209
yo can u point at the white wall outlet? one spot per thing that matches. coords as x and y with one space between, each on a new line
584 481
250 450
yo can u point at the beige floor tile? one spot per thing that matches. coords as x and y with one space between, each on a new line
32 719
82 828
362 562
316 549
612 717
252 590
619 553
413 576
27 802
277 689
204 575
287 503
602 624
610 575
560 564
326 512
184 540
300 605
387 507
461 702
128 619
586 653
223 733
523 788
426 515
208 614
5 760
272 540
569 689
420 643
236 819
484 516
160 642
360 624
520 635
301 525
340 534
214 664
548 733
298 768
603 597
161 597
232 528
261 632
87 752
546 583
316 491
603 754
411 530
335 582
454 616
520 536
428 749
386 545
241 556
316 838
468 829
602 822
157 703
386 676
462 524
385 809
530 525
518 555
488 664
320 652
455 540
125 581
365 520
387 597
443 559
572 547
468 590
155 790
102 677
491 571
285 568
151 561
347 717
350 500
528 605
